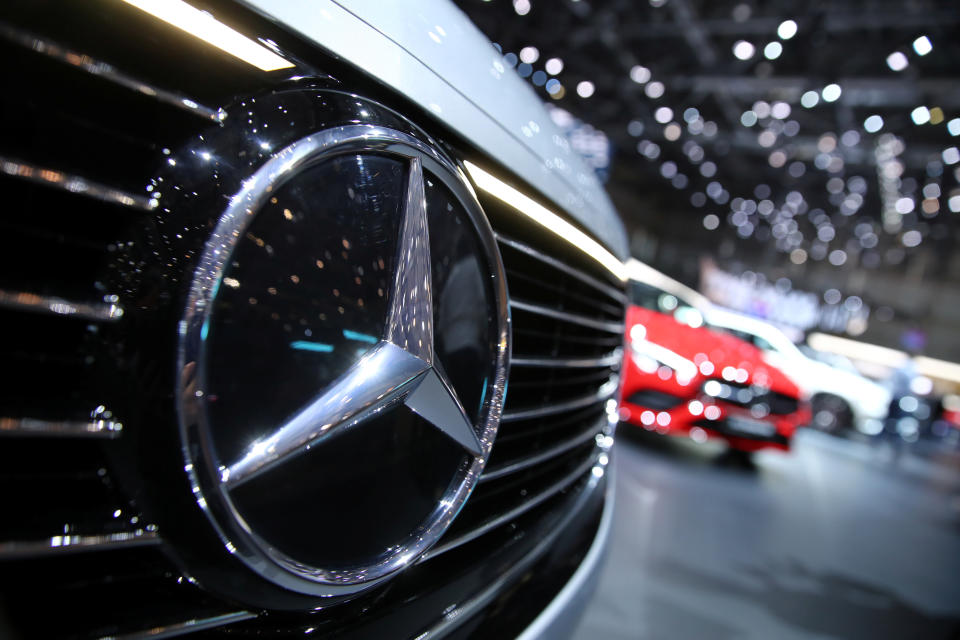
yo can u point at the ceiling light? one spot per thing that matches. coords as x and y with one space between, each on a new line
911 238
922 45
585 89
837 257
904 205
831 92
554 66
810 99
920 115
201 24
773 50
748 118
654 89
529 54
743 50
936 115
787 29
780 110
767 139
761 108
897 61
951 155
639 74
663 115
873 123
522 7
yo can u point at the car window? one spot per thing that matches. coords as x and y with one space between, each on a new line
761 343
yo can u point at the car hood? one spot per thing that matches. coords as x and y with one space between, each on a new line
429 51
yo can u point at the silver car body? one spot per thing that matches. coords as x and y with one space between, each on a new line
430 52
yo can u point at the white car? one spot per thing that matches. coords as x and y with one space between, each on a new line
839 397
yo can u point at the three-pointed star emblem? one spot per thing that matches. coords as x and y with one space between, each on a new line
402 367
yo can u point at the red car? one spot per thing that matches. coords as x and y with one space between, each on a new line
687 381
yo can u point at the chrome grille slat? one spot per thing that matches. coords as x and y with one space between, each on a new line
586 363
183 628
572 318
557 424
547 445
603 393
549 536
598 339
23 301
568 339
619 296
608 307
106 71
58 545
31 427
543 455
74 184
515 512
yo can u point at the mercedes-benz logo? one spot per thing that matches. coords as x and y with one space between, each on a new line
402 365
401 368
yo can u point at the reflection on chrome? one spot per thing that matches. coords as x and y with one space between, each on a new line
187 626
71 543
97 428
562 266
547 219
306 345
359 337
410 324
106 71
22 301
371 384
73 184
204 26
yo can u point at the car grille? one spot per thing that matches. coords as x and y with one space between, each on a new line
653 399
567 336
745 395
75 533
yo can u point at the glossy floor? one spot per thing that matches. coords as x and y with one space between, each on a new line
836 539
